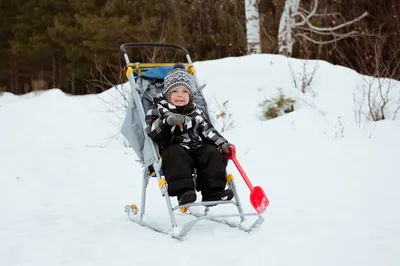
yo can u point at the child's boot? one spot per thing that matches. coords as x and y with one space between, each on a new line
226 194
186 197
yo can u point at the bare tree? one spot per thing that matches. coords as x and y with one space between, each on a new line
296 22
253 26
379 94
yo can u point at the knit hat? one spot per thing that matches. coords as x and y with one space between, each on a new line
177 77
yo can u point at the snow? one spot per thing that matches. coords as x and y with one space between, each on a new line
66 176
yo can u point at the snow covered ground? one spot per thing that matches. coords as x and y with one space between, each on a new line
333 182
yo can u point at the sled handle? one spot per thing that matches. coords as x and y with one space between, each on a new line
258 199
151 44
238 166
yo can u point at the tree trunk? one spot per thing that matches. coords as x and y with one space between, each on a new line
394 6
54 72
11 86
16 79
13 77
252 26
73 82
286 26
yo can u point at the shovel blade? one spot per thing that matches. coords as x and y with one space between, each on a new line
259 200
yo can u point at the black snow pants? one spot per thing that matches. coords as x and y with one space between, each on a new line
178 164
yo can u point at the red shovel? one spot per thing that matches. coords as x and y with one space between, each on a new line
258 198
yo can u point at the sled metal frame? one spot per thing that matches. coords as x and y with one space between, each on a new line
136 215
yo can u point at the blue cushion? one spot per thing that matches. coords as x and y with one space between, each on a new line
157 72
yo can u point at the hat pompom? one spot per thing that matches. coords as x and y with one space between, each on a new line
179 65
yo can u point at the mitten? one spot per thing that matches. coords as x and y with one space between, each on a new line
225 148
175 119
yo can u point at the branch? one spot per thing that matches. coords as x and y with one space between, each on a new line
370 107
324 33
395 112
293 75
301 23
309 16
327 14
393 72
313 11
320 15
305 21
304 10
103 80
326 42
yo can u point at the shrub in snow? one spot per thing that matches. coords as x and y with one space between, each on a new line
224 116
277 106
377 99
303 80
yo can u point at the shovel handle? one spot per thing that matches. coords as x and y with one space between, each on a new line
232 157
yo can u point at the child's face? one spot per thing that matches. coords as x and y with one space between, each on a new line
179 96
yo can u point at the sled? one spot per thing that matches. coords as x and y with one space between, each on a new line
146 81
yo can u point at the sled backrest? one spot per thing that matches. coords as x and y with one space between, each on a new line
144 87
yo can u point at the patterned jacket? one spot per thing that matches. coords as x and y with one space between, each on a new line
196 130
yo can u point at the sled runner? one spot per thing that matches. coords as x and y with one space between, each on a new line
146 81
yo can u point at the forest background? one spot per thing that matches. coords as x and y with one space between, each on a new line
74 44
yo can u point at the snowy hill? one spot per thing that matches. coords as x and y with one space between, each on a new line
331 176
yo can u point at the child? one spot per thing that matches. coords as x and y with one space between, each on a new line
187 140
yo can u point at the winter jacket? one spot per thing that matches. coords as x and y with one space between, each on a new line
195 131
